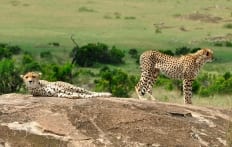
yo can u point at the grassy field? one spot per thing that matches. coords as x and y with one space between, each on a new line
127 24
141 24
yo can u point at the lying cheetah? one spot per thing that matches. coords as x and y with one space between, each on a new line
185 68
39 87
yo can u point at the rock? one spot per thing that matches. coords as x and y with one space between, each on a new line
48 121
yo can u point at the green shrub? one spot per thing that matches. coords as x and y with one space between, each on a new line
168 52
133 53
227 75
228 44
46 54
182 51
10 80
115 81
29 64
14 49
194 50
27 58
196 86
218 43
228 26
223 43
54 72
57 44
205 92
5 53
115 56
88 55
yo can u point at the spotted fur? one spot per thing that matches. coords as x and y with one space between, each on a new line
39 87
184 68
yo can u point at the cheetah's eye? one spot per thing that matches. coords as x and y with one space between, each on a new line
207 53
33 77
26 77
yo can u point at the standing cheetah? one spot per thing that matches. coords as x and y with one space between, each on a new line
39 87
185 68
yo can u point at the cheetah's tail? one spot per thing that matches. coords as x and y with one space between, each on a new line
101 94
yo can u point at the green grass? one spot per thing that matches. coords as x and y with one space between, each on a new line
39 22
125 24
173 96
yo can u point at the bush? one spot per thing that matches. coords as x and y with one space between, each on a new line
228 26
205 92
46 54
10 80
133 53
228 44
115 81
54 44
223 43
194 50
88 55
6 51
14 49
29 64
168 52
227 75
196 86
182 51
115 55
54 72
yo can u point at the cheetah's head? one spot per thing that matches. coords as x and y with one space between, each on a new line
205 55
31 79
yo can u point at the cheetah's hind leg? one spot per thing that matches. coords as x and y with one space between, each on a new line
142 86
153 77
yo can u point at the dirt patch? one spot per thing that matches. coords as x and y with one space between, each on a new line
227 37
111 122
206 18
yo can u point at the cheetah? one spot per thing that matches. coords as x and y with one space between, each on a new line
184 68
38 87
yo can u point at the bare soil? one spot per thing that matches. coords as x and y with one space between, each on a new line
206 18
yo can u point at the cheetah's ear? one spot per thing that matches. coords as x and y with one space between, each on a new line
21 76
40 74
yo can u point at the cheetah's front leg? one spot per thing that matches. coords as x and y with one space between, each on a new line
187 91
